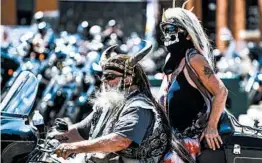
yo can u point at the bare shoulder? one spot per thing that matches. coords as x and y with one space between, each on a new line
201 65
197 59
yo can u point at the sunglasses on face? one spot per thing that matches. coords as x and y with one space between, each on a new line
170 28
111 76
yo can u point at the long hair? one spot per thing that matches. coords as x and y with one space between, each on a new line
141 80
194 29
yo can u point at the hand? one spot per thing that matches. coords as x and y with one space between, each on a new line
212 137
66 149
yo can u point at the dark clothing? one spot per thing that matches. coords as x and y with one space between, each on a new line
186 107
184 103
177 53
139 120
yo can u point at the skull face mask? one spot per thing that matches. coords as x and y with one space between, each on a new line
176 42
172 30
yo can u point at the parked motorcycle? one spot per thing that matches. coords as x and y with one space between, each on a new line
60 89
9 64
253 84
31 55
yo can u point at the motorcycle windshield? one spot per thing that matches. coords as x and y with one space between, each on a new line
20 98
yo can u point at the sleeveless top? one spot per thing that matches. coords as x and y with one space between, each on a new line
185 105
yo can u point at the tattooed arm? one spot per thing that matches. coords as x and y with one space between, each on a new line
219 91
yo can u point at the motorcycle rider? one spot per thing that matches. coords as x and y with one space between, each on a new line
191 119
127 124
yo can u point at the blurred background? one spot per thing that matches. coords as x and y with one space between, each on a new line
61 42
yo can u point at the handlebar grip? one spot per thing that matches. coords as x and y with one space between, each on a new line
61 125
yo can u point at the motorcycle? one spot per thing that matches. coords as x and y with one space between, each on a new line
241 144
21 143
18 135
29 57
9 65
254 79
71 84
21 139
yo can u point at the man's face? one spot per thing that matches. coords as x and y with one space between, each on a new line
111 78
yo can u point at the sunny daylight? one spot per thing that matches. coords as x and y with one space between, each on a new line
131 81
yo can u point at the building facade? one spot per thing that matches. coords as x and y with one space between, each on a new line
242 17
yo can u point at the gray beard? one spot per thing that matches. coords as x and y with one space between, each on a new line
111 98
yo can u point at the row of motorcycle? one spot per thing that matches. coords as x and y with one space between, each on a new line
44 78
246 66
67 69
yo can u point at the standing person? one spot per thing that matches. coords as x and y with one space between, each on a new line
193 117
127 124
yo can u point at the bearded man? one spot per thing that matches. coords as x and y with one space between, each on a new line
127 124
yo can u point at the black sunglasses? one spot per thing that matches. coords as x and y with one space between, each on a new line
170 27
110 76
